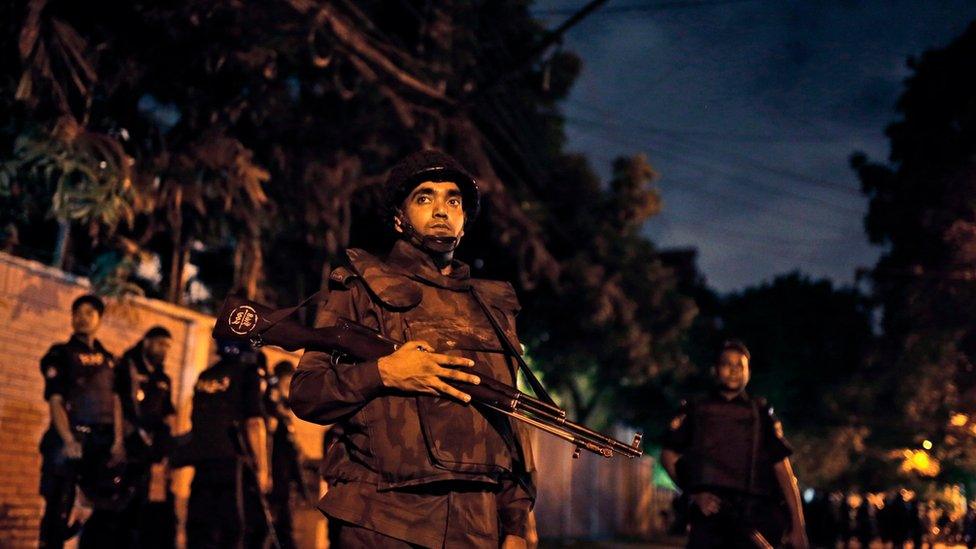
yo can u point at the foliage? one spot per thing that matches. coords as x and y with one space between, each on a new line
260 135
922 209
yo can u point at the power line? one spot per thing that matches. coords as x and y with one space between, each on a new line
749 161
726 136
667 150
645 8
736 198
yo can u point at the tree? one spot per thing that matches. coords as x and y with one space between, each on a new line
922 210
257 136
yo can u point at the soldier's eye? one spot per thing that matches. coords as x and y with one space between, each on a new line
423 199
455 202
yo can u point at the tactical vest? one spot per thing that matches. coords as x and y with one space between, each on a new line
91 397
419 439
727 448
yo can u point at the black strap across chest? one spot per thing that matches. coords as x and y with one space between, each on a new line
537 388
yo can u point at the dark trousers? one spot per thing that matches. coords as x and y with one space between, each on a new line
59 480
732 526
59 496
281 511
148 524
224 510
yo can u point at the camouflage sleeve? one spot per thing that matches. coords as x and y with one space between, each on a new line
775 443
323 391
54 368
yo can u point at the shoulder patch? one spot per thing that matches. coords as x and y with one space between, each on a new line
390 285
342 275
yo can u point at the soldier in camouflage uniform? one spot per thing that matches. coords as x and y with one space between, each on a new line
410 461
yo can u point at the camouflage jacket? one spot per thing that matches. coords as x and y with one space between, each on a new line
400 443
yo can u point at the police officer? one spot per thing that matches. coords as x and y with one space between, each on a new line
728 452
410 460
286 457
227 408
147 406
84 442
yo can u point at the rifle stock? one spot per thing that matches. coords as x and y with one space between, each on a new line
241 319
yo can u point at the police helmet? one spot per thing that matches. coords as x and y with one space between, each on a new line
431 165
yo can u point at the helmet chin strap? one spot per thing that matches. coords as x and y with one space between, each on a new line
441 248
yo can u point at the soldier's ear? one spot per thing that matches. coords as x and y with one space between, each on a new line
398 221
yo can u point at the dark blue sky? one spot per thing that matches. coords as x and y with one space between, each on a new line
750 111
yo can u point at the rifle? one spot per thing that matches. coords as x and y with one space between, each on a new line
237 434
244 320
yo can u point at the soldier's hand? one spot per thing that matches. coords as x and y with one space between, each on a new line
514 542
415 367
117 454
72 449
707 503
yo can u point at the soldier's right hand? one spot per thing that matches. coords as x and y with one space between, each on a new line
707 503
72 449
415 367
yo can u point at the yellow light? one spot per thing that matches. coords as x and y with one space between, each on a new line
927 444
919 461
958 420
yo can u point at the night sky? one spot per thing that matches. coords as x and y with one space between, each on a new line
750 111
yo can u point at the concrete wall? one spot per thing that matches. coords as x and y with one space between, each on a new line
593 497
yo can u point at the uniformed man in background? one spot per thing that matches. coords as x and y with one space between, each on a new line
147 406
727 451
286 458
227 409
84 443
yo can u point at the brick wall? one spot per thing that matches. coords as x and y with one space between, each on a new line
35 301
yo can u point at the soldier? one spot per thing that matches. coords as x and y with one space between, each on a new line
226 400
285 455
85 439
728 452
147 406
410 461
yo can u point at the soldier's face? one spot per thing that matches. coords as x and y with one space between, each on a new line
156 349
732 371
85 319
434 208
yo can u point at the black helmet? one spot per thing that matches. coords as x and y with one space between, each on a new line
431 165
